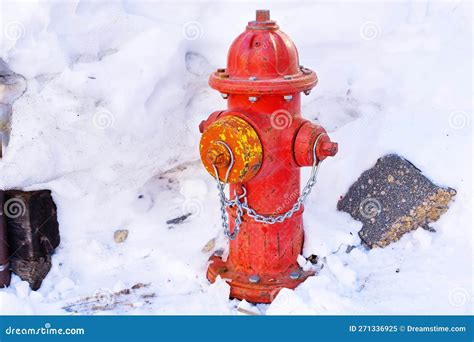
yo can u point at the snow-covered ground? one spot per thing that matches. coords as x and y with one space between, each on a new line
116 90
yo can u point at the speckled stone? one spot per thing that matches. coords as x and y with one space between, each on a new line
392 198
120 235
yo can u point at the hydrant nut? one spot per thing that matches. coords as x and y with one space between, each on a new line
328 148
262 15
218 155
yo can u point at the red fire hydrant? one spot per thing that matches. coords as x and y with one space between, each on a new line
257 146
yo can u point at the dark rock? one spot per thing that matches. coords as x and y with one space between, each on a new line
313 258
32 271
5 274
179 219
350 248
392 198
33 233
428 228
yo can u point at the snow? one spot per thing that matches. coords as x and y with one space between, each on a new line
115 93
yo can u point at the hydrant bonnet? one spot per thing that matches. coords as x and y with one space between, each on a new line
263 60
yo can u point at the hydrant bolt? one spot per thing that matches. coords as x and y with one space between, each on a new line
254 279
294 275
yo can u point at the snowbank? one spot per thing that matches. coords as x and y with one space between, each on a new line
116 90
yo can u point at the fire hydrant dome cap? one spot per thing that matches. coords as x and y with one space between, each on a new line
263 60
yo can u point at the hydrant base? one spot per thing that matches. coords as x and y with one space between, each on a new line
264 290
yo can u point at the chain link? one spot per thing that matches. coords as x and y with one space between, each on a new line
240 201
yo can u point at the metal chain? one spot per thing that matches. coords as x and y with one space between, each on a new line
243 205
225 203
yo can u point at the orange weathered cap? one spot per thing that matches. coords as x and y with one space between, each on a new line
231 142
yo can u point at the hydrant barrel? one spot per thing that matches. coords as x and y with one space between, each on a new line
268 142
